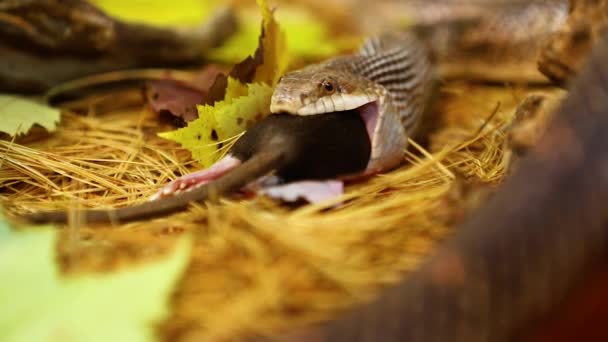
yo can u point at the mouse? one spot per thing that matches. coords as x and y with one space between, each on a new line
288 146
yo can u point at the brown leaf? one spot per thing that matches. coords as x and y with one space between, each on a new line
178 97
243 71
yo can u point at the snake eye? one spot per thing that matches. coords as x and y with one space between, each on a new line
328 86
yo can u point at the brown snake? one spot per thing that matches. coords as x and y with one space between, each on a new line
392 79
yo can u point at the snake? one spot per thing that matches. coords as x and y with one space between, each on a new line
390 82
393 79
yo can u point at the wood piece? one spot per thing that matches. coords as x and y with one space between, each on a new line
532 117
46 42
565 52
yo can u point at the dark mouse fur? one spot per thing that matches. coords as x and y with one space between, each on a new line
294 147
321 146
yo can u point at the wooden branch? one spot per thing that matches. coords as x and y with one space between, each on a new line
46 42
564 54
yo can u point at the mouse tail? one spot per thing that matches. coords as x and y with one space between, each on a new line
257 166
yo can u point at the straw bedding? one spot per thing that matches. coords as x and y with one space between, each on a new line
257 266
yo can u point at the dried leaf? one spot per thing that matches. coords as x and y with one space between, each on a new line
251 68
275 58
207 136
242 103
110 307
178 97
174 97
244 72
19 114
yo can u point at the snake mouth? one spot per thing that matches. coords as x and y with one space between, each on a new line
365 105
369 113
326 104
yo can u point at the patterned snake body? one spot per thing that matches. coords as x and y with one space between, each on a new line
389 82
392 80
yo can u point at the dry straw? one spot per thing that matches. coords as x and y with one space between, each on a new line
257 266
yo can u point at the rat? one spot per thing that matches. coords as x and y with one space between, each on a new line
289 146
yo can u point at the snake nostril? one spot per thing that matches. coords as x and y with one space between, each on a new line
303 98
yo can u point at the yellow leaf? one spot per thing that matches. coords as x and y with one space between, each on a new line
274 44
244 111
235 89
19 114
198 136
207 136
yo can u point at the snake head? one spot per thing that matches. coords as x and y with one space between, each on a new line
320 89
326 88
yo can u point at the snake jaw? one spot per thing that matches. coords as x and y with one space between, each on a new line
335 103
366 105
282 106
369 113
325 104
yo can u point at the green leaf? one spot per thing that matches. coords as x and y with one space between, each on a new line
19 114
41 305
5 229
